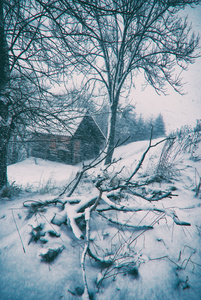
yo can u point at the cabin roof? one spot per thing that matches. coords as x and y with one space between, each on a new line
65 124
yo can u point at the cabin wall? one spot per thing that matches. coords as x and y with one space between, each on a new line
89 148
56 148
84 145
76 151
40 146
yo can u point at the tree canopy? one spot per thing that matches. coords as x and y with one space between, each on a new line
110 42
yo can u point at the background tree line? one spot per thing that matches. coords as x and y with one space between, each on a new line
130 127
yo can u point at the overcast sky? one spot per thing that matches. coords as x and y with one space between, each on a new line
177 110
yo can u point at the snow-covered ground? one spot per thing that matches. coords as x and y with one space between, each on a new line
35 174
167 257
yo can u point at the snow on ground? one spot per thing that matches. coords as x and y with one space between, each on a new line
168 257
35 174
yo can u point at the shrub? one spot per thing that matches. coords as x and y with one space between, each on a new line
186 141
10 190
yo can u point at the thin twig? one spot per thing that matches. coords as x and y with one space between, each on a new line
144 155
18 231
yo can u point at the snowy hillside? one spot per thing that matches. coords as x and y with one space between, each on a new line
154 258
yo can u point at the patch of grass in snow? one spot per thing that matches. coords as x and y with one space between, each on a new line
44 186
48 186
10 190
186 141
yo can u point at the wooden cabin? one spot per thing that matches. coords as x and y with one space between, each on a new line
82 141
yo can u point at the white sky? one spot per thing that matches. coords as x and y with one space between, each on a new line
177 110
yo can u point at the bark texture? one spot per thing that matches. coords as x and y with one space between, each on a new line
4 118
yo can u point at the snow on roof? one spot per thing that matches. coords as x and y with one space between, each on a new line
63 124
98 127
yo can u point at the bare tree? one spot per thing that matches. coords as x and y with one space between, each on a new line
110 42
28 65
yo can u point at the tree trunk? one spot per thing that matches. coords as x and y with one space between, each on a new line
3 164
111 132
5 128
4 118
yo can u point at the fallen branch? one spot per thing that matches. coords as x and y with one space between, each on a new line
166 195
103 261
149 207
34 203
85 296
72 215
78 210
126 224
198 187
97 160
